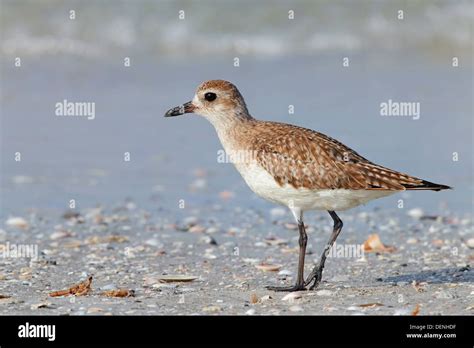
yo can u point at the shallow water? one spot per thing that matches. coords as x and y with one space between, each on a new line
264 28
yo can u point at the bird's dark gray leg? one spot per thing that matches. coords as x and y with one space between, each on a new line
317 273
300 283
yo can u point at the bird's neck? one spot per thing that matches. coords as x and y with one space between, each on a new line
232 128
227 121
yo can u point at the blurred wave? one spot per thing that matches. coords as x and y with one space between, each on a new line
260 28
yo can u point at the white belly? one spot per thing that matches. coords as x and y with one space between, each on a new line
263 184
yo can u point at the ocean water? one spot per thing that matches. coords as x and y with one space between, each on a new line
282 62
261 29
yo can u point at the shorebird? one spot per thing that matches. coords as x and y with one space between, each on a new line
295 167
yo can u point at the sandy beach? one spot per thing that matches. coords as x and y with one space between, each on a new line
218 260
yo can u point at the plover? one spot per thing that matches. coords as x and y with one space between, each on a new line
294 166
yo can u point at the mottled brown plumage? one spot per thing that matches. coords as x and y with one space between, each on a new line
304 158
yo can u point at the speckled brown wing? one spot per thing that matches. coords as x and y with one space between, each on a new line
304 158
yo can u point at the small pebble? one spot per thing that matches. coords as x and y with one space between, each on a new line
212 230
94 310
415 213
41 305
402 311
292 296
268 268
197 229
285 272
60 234
253 298
190 221
17 222
207 240
154 242
296 308
212 309
324 293
470 243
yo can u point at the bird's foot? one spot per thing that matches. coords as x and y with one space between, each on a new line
296 287
314 277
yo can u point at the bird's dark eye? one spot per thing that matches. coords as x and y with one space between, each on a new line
209 96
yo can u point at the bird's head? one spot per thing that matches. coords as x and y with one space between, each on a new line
216 100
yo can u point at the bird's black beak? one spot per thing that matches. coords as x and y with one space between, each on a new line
186 108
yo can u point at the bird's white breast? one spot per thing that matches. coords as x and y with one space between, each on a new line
264 185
